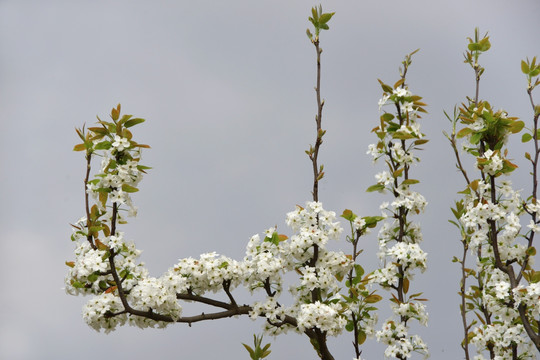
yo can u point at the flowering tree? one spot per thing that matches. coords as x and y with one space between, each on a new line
505 295
331 291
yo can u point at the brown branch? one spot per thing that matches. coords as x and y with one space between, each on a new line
239 310
318 119
463 304
226 288
86 202
203 300
530 237
459 164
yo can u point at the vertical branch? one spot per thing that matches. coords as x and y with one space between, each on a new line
462 289
317 172
319 21
86 201
534 164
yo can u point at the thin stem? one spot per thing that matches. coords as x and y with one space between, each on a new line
534 163
318 120
463 304
86 202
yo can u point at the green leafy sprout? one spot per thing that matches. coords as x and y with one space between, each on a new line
258 353
319 21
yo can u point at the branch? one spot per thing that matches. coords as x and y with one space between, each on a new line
86 202
204 300
314 152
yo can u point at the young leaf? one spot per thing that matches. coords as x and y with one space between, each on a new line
348 215
129 189
525 67
373 298
79 147
376 187
526 137
133 122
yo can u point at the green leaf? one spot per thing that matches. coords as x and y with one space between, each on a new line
77 284
129 189
526 137
125 118
104 145
314 14
325 18
115 112
410 181
99 130
485 45
387 117
361 337
133 122
386 88
373 298
401 135
516 126
464 132
376 187
348 215
475 138
371 221
79 147
359 270
525 67
474 47
405 285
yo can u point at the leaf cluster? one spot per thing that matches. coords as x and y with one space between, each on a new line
531 69
320 22
474 49
258 353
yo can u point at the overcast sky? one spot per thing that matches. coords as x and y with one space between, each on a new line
227 91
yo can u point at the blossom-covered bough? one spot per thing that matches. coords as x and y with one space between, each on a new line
505 294
399 136
106 264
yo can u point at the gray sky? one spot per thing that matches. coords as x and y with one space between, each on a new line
227 91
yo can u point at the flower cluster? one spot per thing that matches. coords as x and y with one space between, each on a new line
325 317
395 336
